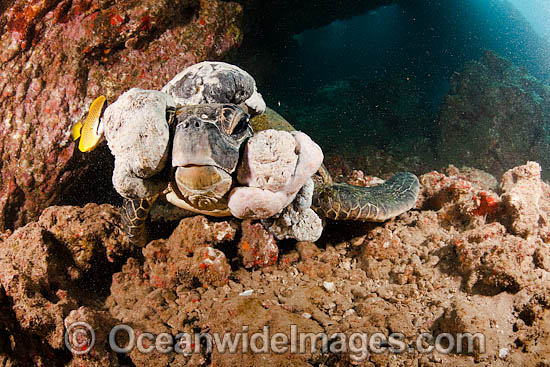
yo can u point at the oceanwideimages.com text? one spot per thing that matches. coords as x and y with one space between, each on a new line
80 339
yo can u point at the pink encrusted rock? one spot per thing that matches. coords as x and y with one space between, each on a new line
194 232
459 198
88 232
257 246
522 192
261 202
168 267
494 261
168 263
80 339
477 177
210 266
358 178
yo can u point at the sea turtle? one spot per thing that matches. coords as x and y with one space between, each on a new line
201 121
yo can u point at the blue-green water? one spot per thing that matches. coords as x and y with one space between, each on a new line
378 80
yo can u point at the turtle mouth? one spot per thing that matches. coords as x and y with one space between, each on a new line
203 186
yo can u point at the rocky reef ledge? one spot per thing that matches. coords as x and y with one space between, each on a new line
474 256
57 56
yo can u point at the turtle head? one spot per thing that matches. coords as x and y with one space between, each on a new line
206 149
90 128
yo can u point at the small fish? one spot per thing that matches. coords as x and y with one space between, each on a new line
76 129
91 131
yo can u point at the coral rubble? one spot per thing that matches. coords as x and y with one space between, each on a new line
471 258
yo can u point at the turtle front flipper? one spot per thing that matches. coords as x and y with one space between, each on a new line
134 214
342 201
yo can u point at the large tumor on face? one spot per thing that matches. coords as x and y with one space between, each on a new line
269 160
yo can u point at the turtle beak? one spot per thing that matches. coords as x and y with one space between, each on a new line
203 179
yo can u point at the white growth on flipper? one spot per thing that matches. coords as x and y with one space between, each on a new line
215 82
256 102
138 135
137 131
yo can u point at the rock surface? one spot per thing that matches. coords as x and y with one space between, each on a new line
57 56
257 246
45 269
522 199
462 262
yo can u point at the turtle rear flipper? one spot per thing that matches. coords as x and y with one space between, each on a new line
134 214
342 201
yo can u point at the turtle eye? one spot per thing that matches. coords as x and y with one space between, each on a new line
241 126
233 120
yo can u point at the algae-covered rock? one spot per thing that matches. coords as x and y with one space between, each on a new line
257 246
42 263
522 198
496 116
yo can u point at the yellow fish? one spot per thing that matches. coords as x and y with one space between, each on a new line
91 131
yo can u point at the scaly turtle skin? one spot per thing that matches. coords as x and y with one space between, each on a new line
342 201
134 214
211 169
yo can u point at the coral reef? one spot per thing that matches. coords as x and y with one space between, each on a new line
472 258
495 117
57 56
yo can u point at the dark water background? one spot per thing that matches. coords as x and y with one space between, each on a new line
341 83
